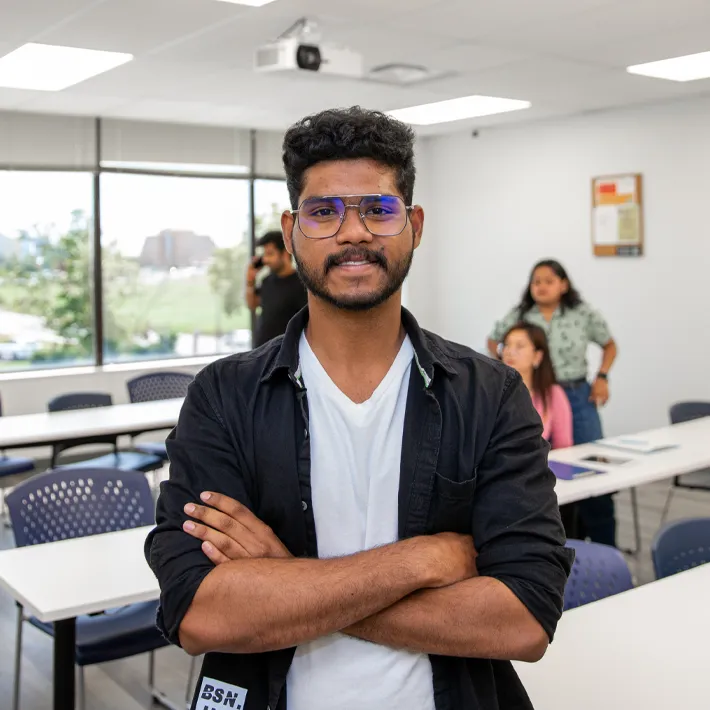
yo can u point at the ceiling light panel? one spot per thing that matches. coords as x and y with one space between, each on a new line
457 109
46 67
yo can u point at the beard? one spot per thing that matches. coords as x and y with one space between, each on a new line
316 281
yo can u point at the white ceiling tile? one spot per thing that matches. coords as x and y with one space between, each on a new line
24 20
10 99
137 26
476 19
602 35
194 57
64 103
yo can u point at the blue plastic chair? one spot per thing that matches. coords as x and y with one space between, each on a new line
680 546
697 480
124 460
153 387
14 465
11 466
75 502
599 571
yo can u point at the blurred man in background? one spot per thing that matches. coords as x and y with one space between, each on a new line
280 295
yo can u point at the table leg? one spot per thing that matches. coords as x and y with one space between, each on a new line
64 654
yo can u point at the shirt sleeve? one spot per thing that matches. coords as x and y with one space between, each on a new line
505 324
516 520
561 419
202 457
597 328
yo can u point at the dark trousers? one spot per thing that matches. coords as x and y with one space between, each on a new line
592 518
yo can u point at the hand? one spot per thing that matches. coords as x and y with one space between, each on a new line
252 271
600 392
230 531
452 558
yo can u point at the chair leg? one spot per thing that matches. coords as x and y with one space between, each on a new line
637 523
151 671
667 506
81 687
18 659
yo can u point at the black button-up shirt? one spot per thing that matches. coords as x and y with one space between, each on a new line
473 461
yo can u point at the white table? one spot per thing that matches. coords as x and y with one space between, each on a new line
59 581
119 419
646 648
692 453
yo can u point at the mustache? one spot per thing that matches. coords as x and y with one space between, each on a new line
355 254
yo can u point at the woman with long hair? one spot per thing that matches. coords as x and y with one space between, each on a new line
525 349
551 302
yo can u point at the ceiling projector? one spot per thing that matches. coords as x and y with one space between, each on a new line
300 50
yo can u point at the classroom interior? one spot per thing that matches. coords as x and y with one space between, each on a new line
130 202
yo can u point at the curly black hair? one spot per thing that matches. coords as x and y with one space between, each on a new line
348 134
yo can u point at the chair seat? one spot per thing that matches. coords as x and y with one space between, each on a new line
115 634
697 479
155 448
124 460
13 465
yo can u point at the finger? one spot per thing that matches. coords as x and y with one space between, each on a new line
213 554
228 526
234 509
224 544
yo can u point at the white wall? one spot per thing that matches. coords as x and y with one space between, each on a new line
28 392
498 203
420 294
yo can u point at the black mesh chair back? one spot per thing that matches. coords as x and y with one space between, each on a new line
70 503
688 411
79 400
159 385
74 401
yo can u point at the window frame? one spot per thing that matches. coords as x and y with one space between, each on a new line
97 305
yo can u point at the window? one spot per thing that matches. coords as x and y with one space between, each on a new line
45 269
174 256
270 200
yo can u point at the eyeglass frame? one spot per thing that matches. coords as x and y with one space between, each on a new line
407 211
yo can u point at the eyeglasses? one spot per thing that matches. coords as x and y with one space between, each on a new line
381 215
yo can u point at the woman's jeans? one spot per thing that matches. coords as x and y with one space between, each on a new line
594 517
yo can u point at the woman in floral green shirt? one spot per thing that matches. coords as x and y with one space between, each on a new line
551 302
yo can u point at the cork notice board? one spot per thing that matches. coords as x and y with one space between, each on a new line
617 215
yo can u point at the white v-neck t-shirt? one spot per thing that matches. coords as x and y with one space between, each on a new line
355 463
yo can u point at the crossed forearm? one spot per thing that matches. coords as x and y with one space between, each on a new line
476 618
257 605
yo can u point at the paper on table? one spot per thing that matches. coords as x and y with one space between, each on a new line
637 444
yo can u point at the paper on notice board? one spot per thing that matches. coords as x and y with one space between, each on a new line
606 224
628 224
626 186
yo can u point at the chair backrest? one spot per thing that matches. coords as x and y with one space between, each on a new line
69 503
599 571
74 401
687 411
681 545
79 400
159 385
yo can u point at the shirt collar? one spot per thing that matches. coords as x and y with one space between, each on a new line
427 354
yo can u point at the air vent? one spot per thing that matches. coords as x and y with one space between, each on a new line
404 74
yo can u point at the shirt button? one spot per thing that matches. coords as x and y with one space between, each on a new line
304 505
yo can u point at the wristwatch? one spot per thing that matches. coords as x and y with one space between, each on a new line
602 376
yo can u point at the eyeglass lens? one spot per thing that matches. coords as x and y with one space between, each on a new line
382 215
